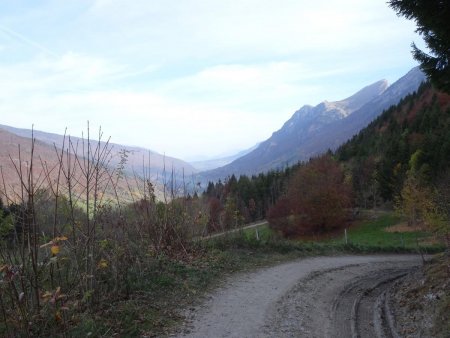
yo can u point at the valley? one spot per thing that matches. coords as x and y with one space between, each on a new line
335 225
88 197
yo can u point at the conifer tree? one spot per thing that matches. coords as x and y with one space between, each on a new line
433 21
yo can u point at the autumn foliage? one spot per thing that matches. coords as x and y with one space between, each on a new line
317 200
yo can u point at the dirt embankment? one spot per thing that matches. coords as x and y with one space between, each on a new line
346 296
421 300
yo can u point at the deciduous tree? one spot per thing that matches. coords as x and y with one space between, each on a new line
317 200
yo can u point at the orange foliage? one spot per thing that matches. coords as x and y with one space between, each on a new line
317 200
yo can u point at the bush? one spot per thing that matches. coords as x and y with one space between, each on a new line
318 200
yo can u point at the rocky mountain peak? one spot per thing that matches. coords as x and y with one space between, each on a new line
313 129
327 112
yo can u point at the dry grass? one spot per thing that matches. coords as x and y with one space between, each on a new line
404 227
432 240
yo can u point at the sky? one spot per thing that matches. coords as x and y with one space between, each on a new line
193 79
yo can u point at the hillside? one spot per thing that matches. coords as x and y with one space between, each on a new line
381 153
313 130
375 161
138 158
220 161
16 157
10 147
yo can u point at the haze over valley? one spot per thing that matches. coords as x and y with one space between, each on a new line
225 169
190 89
310 132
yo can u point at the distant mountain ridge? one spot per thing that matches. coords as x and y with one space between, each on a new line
138 158
308 119
47 147
221 161
313 130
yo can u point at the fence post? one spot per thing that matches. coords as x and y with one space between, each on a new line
345 234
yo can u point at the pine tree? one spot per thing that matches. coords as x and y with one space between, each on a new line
433 21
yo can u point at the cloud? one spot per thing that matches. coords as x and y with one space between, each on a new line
141 119
194 76
23 39
71 72
248 29
54 93
264 86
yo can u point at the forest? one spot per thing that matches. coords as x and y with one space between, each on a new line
407 145
68 249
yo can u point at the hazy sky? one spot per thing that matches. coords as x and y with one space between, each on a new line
191 78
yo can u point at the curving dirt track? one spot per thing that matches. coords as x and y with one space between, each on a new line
343 296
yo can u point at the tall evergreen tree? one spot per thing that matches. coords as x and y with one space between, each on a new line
433 23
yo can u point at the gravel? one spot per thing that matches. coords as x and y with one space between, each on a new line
340 296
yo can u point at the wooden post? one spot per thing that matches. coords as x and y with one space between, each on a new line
345 234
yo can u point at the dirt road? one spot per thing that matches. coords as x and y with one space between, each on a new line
342 296
224 233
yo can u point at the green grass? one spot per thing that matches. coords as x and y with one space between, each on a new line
264 232
367 236
371 234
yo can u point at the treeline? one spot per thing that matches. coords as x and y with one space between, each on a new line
409 142
401 160
245 199
380 156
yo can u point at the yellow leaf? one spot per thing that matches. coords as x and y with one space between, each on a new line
62 238
46 295
54 249
102 264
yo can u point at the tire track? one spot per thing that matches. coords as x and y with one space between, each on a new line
368 311
315 297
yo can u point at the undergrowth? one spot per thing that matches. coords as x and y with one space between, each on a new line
157 293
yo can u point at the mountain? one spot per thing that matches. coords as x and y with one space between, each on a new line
414 132
9 156
221 161
137 160
331 137
134 162
18 154
314 130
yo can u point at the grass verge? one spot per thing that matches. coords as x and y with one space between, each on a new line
373 233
